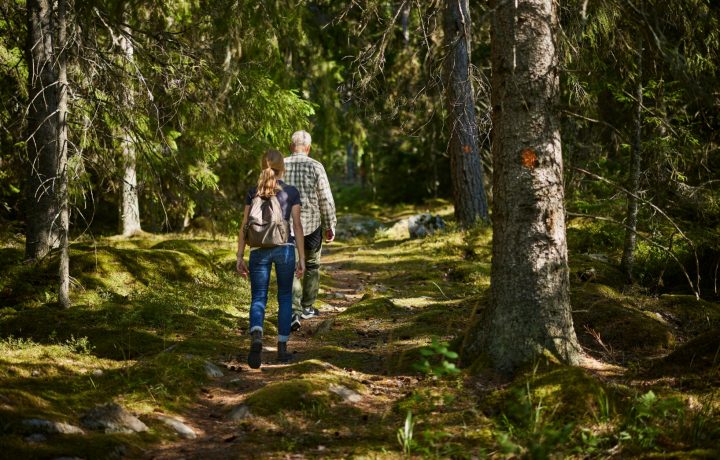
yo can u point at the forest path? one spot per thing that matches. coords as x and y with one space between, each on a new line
221 436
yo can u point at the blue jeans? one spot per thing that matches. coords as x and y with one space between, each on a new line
261 261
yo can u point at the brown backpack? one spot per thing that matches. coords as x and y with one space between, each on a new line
266 226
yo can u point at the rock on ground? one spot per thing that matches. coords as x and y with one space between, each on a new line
241 412
112 418
48 426
181 429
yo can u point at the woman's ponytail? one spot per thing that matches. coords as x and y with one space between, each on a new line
273 167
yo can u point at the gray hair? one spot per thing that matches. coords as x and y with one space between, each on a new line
301 138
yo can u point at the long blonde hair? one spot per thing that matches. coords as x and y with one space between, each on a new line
273 167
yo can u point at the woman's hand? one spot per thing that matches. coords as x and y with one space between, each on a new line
300 268
241 267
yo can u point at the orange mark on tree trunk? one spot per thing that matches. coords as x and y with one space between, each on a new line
466 149
529 158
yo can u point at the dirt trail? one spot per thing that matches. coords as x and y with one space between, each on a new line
218 436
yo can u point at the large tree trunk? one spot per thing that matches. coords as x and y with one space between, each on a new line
466 169
529 311
633 186
42 208
129 202
47 184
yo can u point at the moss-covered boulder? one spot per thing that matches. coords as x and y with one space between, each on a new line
562 394
307 384
698 356
607 322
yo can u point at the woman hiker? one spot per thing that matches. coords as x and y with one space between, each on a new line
281 253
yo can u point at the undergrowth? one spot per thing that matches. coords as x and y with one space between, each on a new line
380 380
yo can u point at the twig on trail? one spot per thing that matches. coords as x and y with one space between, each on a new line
439 289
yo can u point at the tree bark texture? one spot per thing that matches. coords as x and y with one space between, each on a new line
129 201
466 168
529 312
42 208
633 186
62 155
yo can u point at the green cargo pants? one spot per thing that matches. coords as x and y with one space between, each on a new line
305 290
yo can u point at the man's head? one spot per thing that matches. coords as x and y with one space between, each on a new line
300 142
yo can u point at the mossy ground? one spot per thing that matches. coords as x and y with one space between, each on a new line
149 312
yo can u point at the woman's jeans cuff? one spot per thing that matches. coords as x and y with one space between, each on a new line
283 338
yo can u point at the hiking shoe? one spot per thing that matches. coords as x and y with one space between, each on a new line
295 322
255 355
309 312
283 355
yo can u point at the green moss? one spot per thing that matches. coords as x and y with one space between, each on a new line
599 309
294 394
89 445
558 396
378 307
698 356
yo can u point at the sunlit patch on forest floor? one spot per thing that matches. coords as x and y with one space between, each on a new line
374 375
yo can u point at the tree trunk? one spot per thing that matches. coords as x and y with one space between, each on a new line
129 202
405 21
42 208
529 311
633 186
62 155
466 169
351 163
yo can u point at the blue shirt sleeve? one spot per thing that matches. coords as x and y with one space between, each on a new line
250 196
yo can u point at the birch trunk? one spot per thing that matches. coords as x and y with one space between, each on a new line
129 202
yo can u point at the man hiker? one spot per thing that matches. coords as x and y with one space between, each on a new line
317 217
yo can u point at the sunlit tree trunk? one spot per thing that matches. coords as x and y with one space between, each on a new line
129 202
42 208
62 155
405 21
465 165
529 311
633 186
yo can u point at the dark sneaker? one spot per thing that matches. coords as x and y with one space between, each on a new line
310 312
283 355
255 355
295 322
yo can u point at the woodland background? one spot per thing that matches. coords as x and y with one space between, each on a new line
166 107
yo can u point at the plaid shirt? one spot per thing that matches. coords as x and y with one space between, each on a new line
309 177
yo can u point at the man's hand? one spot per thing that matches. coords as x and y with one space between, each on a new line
300 269
241 267
329 235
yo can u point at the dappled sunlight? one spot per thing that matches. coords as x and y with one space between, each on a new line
153 312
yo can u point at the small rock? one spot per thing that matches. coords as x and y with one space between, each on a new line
181 429
112 418
212 370
47 426
36 438
346 393
340 295
422 225
35 373
240 413
325 326
97 373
